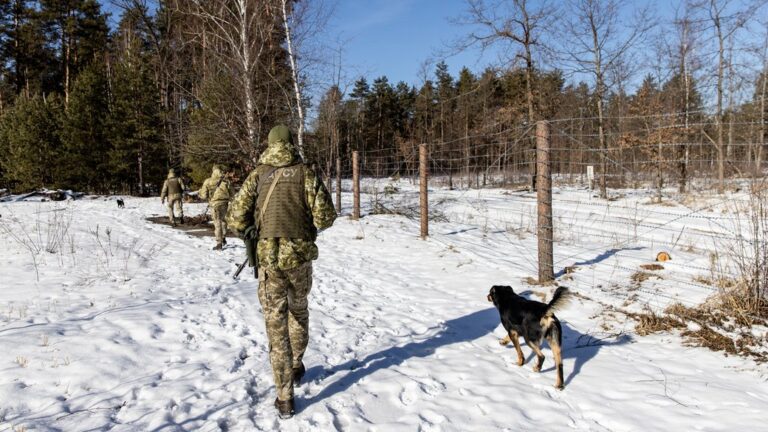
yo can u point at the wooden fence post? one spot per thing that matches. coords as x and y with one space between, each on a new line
423 183
338 185
355 186
544 198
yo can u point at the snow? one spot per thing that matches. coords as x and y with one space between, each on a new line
127 325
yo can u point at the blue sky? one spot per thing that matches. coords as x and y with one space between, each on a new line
389 37
395 37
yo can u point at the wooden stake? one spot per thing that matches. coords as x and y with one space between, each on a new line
355 186
544 198
423 183
338 185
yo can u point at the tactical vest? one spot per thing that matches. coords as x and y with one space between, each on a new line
174 186
287 214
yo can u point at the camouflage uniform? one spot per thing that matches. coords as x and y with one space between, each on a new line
285 264
218 199
173 188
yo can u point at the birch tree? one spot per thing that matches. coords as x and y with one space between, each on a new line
240 40
295 74
597 43
725 23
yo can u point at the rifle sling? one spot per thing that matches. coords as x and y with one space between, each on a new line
263 209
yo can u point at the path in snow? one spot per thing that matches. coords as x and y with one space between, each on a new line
402 338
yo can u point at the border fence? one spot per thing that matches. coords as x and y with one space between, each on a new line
680 176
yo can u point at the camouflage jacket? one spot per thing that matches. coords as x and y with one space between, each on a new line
216 195
282 253
172 188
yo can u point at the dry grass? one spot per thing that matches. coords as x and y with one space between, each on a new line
642 276
650 323
706 337
746 309
535 282
720 328
22 361
652 267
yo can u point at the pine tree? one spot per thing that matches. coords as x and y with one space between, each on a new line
25 53
29 133
78 30
84 134
137 157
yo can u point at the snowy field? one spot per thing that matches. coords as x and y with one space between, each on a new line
130 326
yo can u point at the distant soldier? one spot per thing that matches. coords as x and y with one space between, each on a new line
218 191
173 189
282 205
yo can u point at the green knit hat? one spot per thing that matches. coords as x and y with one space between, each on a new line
280 133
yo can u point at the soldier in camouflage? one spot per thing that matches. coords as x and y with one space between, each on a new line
173 188
298 205
218 191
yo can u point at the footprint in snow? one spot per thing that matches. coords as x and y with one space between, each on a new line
408 394
432 387
432 420
339 420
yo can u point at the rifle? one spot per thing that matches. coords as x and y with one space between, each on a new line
240 269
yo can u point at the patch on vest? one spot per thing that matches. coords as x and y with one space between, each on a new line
285 173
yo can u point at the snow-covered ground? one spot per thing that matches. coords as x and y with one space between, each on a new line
131 326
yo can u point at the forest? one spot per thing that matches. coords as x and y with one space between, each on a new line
184 84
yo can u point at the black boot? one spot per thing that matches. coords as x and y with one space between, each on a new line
218 247
285 409
224 241
182 219
298 374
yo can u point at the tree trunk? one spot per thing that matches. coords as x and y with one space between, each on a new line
294 71
599 93
719 115
245 40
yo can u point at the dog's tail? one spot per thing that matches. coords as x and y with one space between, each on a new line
559 301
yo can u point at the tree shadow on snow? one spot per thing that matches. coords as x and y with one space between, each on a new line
462 329
598 259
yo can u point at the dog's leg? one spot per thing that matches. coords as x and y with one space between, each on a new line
539 355
505 340
557 352
514 337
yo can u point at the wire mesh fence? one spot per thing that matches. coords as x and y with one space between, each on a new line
670 187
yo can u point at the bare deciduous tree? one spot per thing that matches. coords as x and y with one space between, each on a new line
519 26
725 22
597 43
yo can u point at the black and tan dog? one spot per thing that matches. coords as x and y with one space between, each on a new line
534 321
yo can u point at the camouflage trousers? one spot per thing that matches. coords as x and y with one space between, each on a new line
219 213
174 201
283 297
